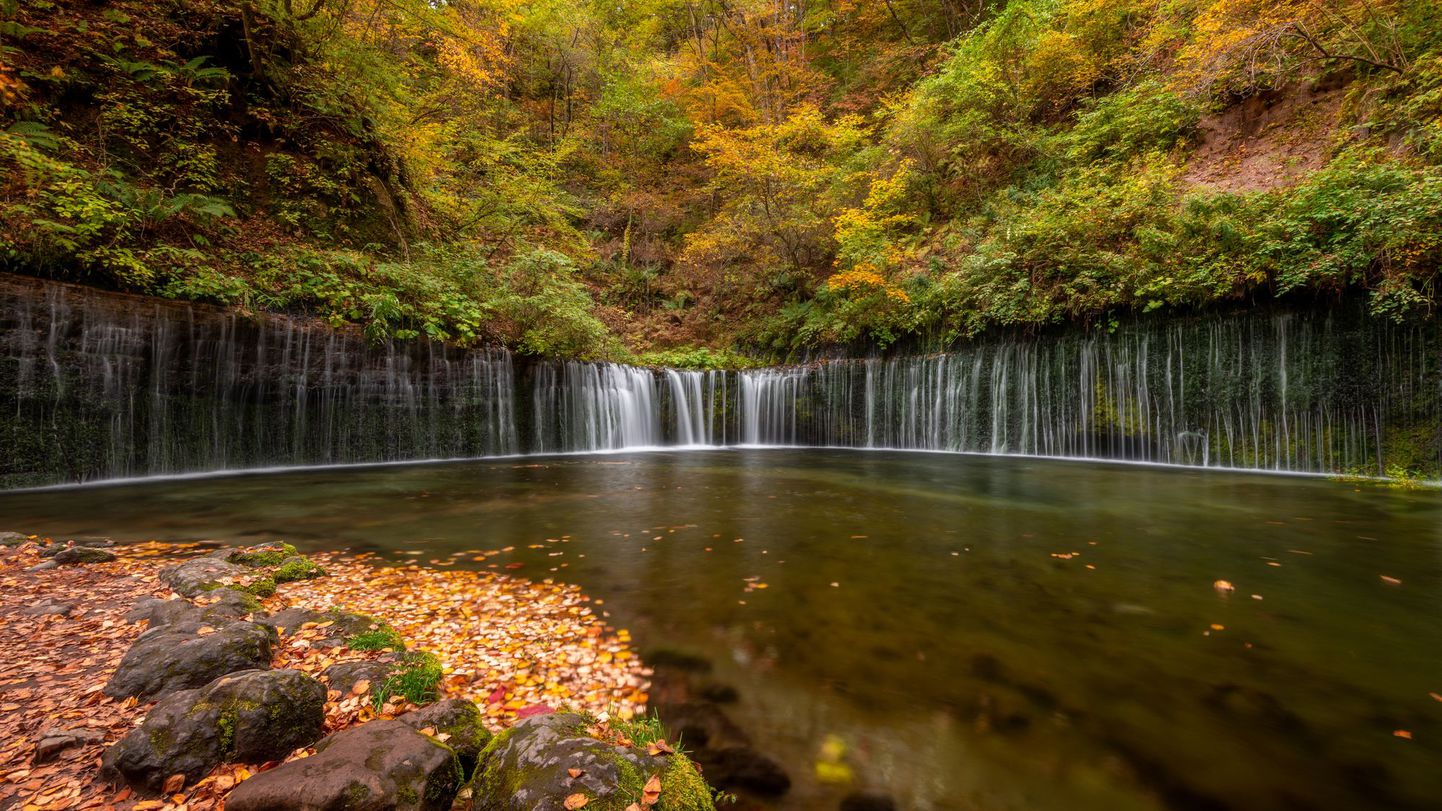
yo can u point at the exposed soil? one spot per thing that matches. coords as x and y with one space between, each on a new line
1267 141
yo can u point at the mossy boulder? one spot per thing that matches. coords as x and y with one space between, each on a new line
249 717
296 568
199 575
457 722
375 766
273 554
13 538
189 654
529 767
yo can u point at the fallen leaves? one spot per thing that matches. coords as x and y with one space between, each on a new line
575 801
651 793
516 647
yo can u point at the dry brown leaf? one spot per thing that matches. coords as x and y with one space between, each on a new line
575 801
651 794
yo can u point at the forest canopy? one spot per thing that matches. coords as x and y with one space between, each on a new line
691 181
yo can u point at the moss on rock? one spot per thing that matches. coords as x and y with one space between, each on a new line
263 555
297 568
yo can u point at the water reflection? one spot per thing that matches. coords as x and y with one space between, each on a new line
971 632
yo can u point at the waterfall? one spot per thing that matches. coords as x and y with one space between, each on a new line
1286 392
101 385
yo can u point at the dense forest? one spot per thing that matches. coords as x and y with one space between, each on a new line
697 182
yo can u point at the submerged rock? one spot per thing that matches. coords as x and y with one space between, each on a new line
201 574
377 765
741 768
12 538
185 655
867 802
459 721
529 766
248 717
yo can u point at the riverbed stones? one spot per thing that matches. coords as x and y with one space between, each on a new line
89 542
531 766
228 605
253 716
345 676
8 538
187 655
78 555
456 721
202 574
55 740
377 765
338 625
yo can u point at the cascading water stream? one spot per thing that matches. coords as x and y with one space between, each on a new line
98 385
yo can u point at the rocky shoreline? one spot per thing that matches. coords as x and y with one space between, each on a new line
196 677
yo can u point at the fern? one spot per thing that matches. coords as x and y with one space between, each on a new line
35 134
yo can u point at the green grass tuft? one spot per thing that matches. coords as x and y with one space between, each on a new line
417 680
383 637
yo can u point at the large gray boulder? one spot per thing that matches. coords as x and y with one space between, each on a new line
529 767
202 574
187 655
8 538
375 766
249 717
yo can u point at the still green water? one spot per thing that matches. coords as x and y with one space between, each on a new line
916 608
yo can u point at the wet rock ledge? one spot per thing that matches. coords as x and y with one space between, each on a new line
258 704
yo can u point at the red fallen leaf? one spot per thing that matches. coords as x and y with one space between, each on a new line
534 709
651 794
497 695
574 773
576 801
174 783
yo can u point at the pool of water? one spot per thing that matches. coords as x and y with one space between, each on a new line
974 632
